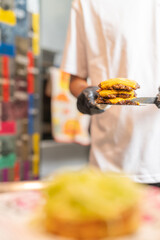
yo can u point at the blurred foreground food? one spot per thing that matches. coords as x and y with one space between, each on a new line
90 204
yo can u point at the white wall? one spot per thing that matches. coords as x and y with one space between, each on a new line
54 22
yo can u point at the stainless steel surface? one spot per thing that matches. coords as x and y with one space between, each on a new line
21 186
145 100
142 100
103 106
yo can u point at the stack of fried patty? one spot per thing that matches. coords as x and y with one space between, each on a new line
117 91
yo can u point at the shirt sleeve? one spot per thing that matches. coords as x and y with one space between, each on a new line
74 57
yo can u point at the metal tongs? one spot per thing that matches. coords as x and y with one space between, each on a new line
142 101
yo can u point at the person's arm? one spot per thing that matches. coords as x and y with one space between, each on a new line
85 95
75 62
77 85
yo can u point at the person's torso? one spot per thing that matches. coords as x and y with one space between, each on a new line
123 40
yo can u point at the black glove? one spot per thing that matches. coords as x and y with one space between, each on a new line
86 101
157 102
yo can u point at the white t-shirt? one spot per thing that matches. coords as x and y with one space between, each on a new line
120 38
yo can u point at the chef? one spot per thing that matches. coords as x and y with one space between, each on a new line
109 39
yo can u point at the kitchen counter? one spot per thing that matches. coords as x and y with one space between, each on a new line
9 187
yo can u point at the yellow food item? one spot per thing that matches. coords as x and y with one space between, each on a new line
90 204
117 91
124 81
117 100
105 93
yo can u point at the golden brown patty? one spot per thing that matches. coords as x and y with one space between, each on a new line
119 84
120 87
111 94
118 101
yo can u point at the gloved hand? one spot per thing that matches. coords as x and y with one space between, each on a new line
86 101
157 102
